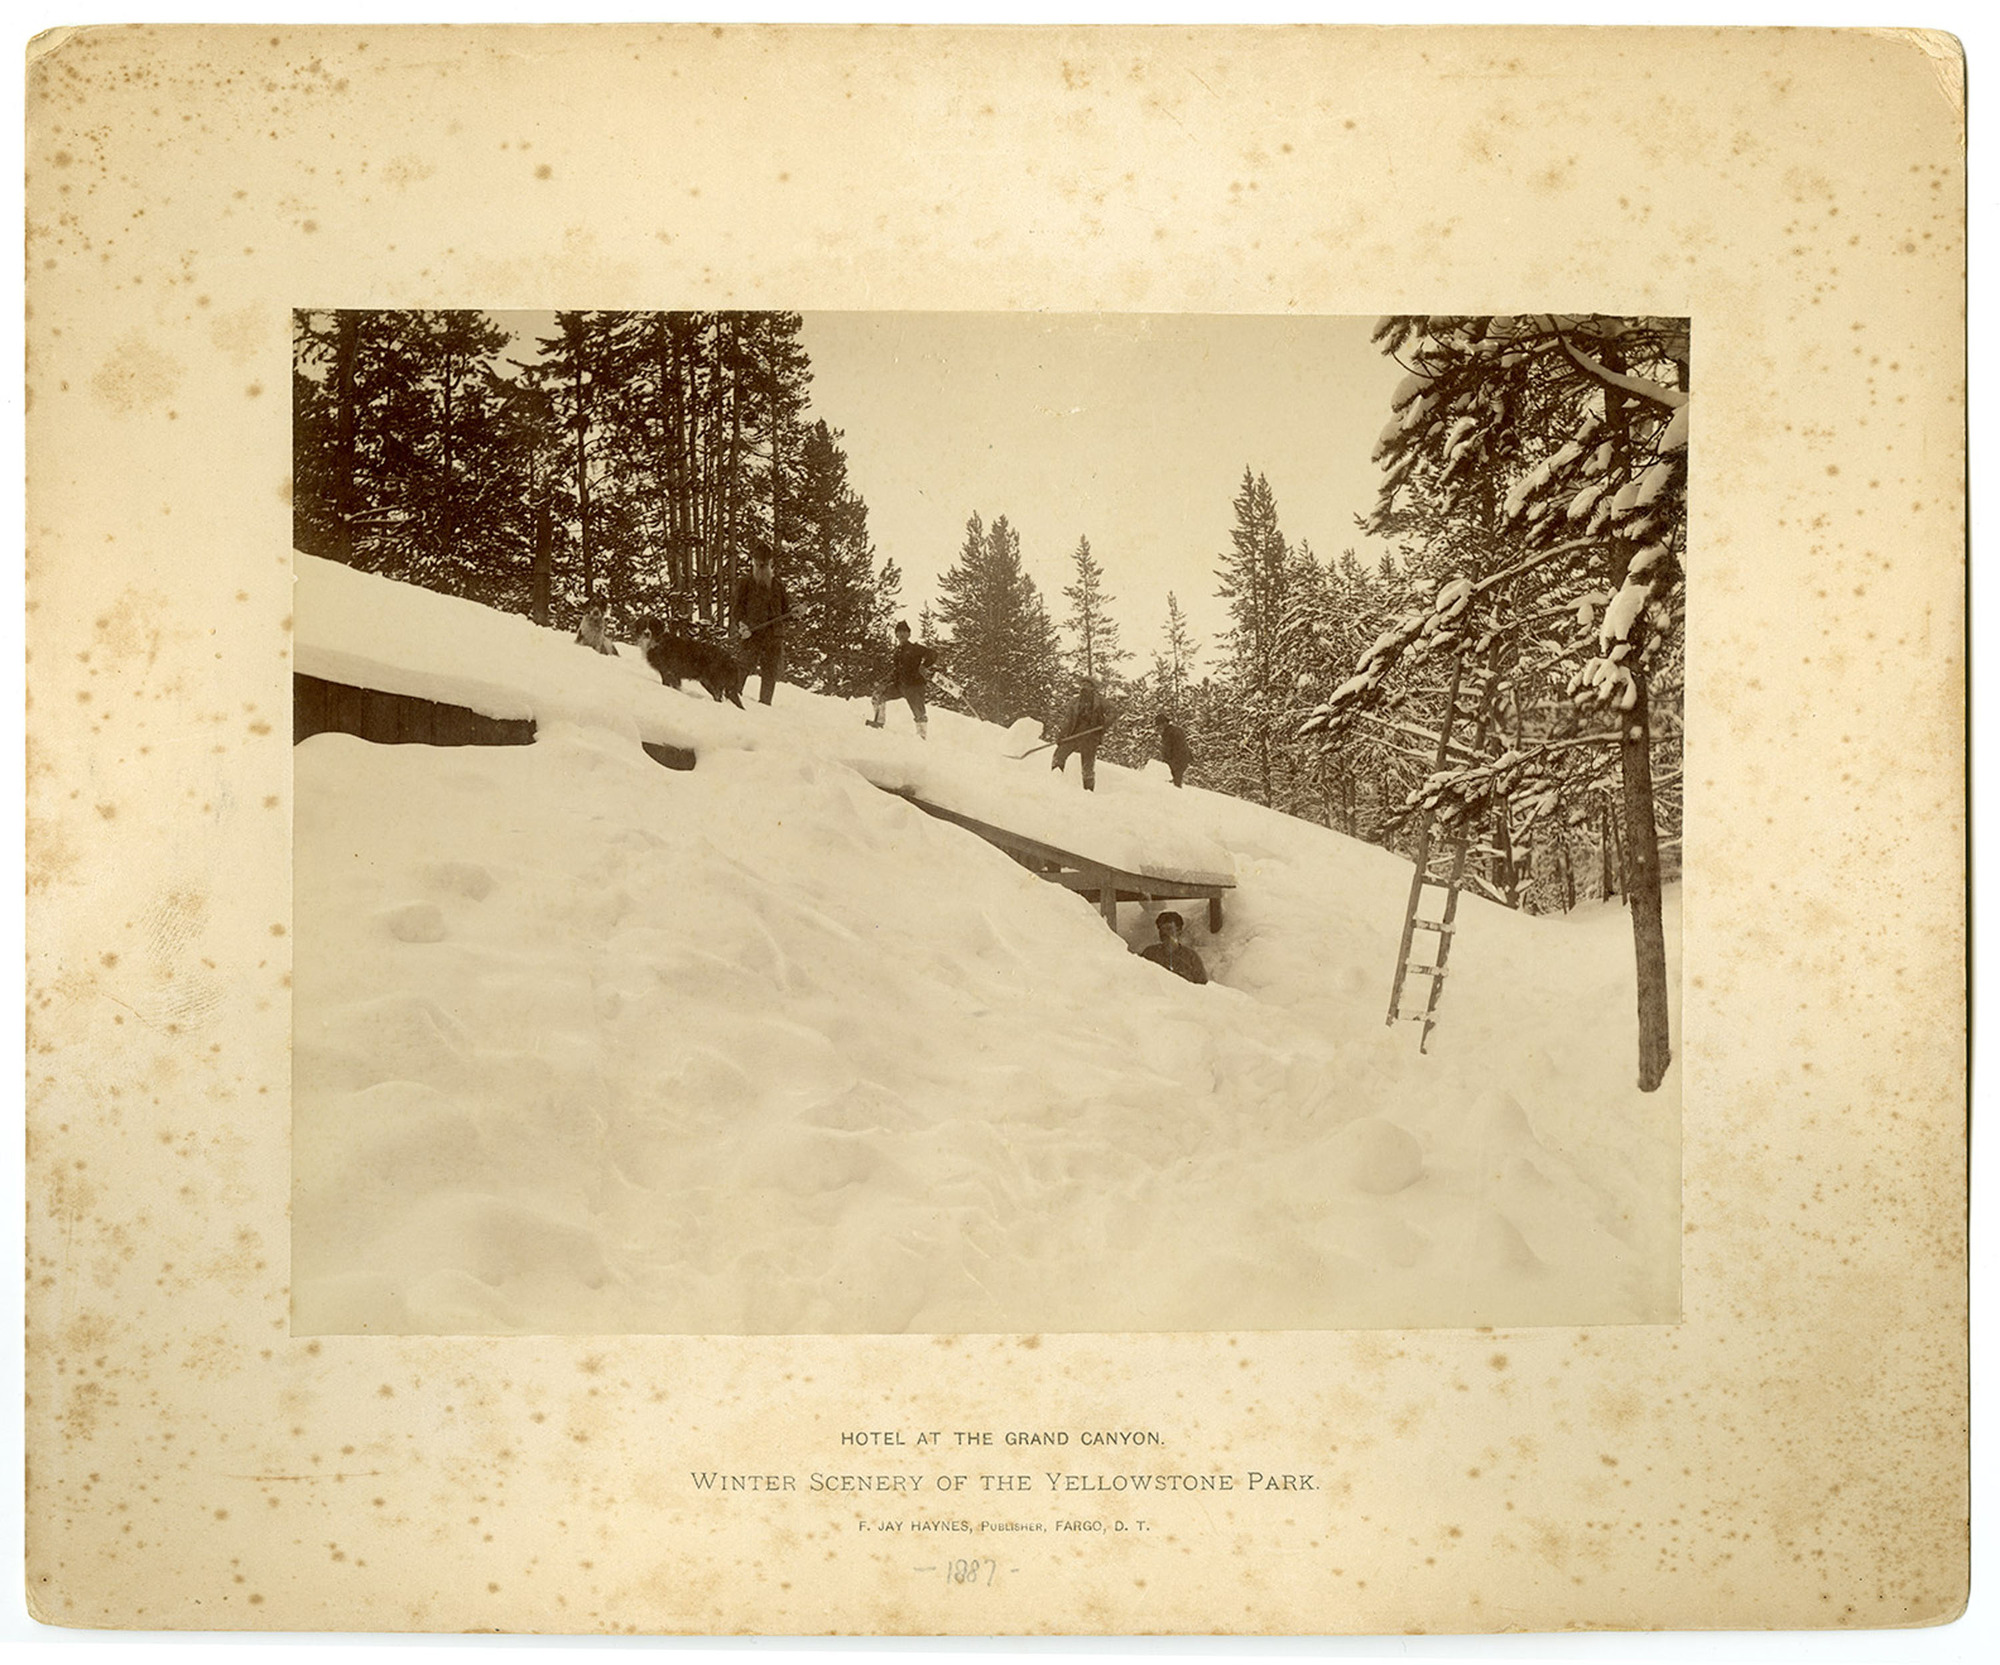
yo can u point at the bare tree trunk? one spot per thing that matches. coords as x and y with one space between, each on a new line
703 423
1642 843
1507 875
448 486
347 344
674 448
544 558
1642 889
582 470
771 356
732 553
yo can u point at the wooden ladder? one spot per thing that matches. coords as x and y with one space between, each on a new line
1453 853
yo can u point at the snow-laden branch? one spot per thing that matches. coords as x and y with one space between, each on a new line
1526 775
1640 386
1570 548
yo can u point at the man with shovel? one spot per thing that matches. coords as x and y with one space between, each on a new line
1081 731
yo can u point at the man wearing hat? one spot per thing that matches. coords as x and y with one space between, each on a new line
1182 962
906 678
761 610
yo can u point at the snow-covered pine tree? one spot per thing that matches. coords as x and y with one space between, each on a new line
1545 459
406 461
634 455
1002 648
1349 618
1173 665
1040 674
1212 722
783 383
566 370
1093 633
352 397
1095 652
834 643
885 607
1253 580
1305 773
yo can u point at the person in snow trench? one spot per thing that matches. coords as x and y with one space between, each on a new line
1082 729
906 678
1182 962
761 610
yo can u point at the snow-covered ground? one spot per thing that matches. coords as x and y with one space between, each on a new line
586 1044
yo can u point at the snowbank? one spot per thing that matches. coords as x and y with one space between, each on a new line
370 632
585 1044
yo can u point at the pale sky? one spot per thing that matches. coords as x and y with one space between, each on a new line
1131 429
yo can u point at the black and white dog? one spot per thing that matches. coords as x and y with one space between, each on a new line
676 657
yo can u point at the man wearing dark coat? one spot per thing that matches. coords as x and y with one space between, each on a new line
1081 732
906 679
1174 747
1182 962
761 610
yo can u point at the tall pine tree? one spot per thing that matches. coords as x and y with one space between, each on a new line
1002 649
1093 633
840 603
1254 580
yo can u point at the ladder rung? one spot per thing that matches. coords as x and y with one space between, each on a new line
1426 970
1413 1017
1434 925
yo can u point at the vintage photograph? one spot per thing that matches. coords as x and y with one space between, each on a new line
880 831
894 822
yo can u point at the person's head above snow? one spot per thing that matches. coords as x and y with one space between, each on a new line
1169 925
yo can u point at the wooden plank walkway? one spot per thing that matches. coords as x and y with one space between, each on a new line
1109 885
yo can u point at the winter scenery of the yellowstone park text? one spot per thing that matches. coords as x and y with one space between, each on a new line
926 822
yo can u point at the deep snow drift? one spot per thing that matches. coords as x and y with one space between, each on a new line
585 1044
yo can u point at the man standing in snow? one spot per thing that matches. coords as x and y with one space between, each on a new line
906 678
761 610
1174 747
1182 962
1082 729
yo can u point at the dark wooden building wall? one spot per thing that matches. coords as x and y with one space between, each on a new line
319 706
